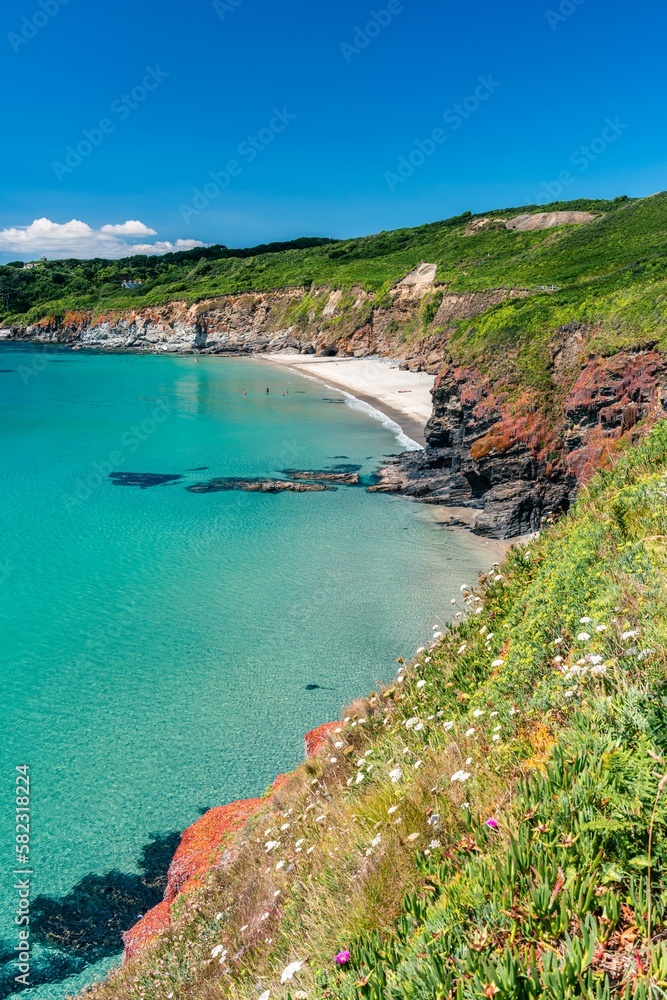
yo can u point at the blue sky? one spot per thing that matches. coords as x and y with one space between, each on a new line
183 86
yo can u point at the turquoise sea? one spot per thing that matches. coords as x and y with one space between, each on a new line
157 644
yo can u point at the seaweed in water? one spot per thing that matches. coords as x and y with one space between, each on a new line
143 480
86 924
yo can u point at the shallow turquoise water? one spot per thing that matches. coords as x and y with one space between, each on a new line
156 644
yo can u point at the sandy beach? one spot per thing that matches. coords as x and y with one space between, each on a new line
402 395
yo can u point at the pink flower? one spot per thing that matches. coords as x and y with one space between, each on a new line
342 958
493 824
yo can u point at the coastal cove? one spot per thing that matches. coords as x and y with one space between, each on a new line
167 649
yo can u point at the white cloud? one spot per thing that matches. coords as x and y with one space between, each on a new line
77 239
130 228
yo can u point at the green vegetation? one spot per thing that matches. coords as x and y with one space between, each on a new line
494 824
627 235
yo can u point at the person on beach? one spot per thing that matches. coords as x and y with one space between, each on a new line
245 392
267 391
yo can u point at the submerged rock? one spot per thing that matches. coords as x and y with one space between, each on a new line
142 479
344 477
256 486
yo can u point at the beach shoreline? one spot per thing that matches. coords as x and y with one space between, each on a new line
403 396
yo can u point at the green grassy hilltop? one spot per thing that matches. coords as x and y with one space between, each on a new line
622 250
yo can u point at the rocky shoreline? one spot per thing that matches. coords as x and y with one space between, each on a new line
511 461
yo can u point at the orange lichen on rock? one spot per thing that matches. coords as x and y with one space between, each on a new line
206 844
316 738
525 425
199 849
152 923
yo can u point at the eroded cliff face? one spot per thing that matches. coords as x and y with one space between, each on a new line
326 322
515 461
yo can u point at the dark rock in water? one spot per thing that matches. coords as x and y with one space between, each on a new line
142 479
200 468
313 687
256 486
86 924
327 399
340 456
5 371
324 476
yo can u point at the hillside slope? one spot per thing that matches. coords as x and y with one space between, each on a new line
494 824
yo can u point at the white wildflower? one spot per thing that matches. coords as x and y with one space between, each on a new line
470 732
478 713
497 663
290 971
630 635
583 637
219 950
391 810
448 725
585 621
460 776
396 774
417 764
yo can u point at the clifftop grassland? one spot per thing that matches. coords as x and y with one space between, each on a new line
494 823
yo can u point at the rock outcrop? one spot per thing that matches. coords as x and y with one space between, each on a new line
516 463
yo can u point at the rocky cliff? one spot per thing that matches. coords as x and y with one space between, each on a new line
408 323
515 462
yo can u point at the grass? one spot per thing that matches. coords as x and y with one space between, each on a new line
490 825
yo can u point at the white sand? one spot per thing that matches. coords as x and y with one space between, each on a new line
404 396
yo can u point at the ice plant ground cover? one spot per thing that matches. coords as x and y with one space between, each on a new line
563 894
